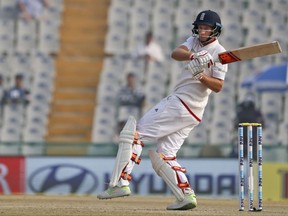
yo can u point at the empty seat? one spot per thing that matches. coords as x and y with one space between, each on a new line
110 76
42 62
215 4
115 43
114 63
11 133
38 98
230 42
261 5
36 119
145 4
7 36
117 13
274 17
251 14
166 3
233 4
224 100
41 91
230 31
270 137
121 3
107 92
271 105
264 61
44 80
13 115
158 72
258 30
163 32
156 79
276 30
48 37
189 4
4 70
26 36
183 32
120 26
41 86
174 74
8 9
20 63
230 17
280 5
162 13
183 14
139 13
33 134
199 136
54 12
154 93
222 138
37 107
104 123
34 108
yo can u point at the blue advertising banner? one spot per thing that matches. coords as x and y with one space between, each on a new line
84 176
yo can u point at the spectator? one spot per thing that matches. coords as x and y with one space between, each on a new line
17 94
150 51
246 111
130 100
32 9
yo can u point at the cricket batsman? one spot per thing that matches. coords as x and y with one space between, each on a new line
169 122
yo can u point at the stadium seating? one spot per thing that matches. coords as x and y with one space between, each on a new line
26 48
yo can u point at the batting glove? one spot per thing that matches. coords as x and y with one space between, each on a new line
204 58
196 69
197 76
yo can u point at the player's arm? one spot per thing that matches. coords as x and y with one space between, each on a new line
197 69
181 53
212 83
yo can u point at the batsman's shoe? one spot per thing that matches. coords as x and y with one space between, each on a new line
114 192
189 202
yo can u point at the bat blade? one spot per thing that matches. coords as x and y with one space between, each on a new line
249 52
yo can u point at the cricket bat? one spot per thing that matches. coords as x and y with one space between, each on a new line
249 52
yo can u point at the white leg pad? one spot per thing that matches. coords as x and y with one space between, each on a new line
124 151
167 173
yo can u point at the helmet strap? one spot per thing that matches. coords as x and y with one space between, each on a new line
209 40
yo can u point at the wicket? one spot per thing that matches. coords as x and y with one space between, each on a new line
250 178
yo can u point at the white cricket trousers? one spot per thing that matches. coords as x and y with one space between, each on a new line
168 124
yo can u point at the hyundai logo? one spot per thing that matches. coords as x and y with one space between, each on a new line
63 179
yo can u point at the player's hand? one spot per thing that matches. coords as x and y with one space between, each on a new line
204 58
197 76
196 69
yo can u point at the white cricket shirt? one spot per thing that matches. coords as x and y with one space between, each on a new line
192 92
